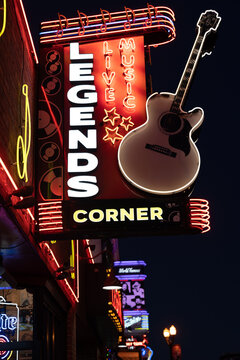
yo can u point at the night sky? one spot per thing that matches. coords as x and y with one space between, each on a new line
193 280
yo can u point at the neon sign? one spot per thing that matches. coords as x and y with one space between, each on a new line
115 311
6 354
8 322
24 142
80 163
127 48
84 28
4 17
119 61
9 326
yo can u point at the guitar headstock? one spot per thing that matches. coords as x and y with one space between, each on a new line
208 21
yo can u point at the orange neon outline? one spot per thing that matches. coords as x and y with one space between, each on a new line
126 101
114 115
109 94
114 131
51 223
8 174
108 62
127 64
127 44
129 74
103 17
117 16
114 16
74 36
50 202
29 32
61 27
132 13
53 116
129 122
199 213
129 88
106 50
108 78
89 252
55 228
14 184
49 217
82 22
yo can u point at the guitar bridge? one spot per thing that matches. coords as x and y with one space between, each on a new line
161 149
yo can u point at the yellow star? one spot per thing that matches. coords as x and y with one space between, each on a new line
126 122
112 135
111 115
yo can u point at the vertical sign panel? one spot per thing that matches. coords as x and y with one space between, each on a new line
106 95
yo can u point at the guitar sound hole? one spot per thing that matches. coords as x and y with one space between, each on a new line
171 123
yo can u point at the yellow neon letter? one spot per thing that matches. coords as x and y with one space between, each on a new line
142 213
100 214
72 257
111 214
156 212
76 218
23 144
126 214
4 17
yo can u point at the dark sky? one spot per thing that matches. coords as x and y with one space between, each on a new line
193 281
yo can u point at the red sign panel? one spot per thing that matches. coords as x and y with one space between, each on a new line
105 86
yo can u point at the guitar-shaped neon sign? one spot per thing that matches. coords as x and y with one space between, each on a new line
160 156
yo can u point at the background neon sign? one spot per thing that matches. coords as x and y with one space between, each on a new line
9 327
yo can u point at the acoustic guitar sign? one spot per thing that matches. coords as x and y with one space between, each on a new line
112 163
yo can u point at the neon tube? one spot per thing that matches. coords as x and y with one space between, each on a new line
52 115
4 9
13 184
29 32
57 265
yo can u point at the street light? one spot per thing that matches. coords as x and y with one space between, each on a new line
169 335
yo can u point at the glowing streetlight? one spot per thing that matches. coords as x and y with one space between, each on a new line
169 335
173 330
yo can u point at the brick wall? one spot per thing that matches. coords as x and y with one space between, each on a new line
17 67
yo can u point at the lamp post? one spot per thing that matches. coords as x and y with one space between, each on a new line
175 350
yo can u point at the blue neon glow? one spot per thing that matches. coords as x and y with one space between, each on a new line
8 322
135 312
131 262
140 277
107 23
150 353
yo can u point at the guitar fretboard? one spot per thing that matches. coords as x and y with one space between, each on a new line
187 74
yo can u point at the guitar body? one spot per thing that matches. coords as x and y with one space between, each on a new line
160 156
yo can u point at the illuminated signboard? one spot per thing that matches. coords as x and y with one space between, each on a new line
136 324
131 275
9 327
156 21
128 269
115 309
92 94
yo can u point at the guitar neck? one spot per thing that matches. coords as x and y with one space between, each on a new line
187 73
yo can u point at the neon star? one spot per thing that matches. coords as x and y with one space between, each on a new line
111 116
112 135
126 122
